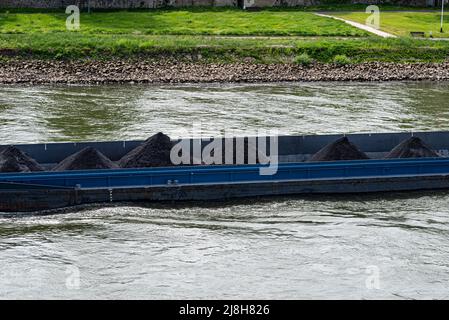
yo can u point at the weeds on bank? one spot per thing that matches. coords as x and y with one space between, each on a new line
230 49
341 60
303 59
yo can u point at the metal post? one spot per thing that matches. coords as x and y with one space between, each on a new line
442 13
88 6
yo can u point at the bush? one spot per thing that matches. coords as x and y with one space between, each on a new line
303 59
341 60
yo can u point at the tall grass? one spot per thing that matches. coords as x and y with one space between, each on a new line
266 50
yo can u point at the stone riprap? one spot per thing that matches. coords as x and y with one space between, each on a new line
122 71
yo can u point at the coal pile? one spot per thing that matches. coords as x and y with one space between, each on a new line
87 159
340 149
413 147
14 160
154 152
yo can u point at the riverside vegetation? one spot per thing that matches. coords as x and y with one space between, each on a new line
200 36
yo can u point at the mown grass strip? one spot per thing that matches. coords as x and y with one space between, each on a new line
182 22
402 23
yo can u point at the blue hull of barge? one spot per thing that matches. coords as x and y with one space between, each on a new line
50 190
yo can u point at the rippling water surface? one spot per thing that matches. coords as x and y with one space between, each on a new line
374 246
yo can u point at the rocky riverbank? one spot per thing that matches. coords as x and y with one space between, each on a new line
120 71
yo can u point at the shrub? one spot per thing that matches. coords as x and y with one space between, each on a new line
303 59
341 60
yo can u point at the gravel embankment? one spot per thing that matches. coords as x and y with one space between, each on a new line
96 72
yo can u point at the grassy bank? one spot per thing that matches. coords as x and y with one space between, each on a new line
182 22
211 35
221 49
402 23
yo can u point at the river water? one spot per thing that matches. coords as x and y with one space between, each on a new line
393 246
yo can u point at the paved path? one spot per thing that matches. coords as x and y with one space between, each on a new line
361 26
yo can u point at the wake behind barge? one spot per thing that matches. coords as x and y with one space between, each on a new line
35 191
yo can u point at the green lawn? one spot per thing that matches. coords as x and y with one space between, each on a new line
183 22
401 23
197 34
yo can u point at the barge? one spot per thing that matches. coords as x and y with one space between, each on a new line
44 190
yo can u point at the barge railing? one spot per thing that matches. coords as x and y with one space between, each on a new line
230 173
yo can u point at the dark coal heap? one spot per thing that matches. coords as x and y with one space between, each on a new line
154 152
340 149
14 160
413 147
87 159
